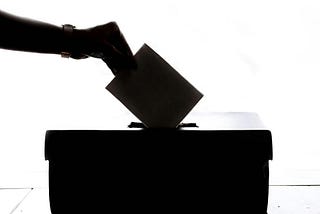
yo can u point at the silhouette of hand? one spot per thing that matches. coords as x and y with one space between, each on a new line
105 42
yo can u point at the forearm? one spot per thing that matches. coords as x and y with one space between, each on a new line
23 34
105 42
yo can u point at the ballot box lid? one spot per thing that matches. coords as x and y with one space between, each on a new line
225 134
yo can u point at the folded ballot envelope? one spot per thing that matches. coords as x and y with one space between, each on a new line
155 92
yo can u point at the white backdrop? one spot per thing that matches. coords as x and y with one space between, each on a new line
250 55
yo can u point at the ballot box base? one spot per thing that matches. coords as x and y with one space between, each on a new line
158 171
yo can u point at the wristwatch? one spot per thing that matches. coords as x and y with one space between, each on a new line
67 30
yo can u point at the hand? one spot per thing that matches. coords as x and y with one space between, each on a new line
105 42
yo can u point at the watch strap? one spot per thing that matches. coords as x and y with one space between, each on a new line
67 30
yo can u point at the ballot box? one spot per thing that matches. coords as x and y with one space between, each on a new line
218 163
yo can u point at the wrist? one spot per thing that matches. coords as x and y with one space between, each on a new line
80 42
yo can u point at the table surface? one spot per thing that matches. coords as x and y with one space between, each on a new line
282 200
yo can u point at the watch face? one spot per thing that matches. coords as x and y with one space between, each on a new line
65 54
68 28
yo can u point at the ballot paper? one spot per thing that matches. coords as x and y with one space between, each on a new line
155 92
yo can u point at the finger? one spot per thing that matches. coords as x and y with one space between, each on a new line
120 44
110 65
115 37
123 62
119 59
123 45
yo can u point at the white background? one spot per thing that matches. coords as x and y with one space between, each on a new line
249 55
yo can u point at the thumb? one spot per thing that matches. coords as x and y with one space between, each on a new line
118 61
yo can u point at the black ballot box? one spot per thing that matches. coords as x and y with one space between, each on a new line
223 169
